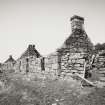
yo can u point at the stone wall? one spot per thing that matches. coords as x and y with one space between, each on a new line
72 62
51 64
66 62
99 66
33 65
8 66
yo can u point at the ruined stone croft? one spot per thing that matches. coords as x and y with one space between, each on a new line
69 58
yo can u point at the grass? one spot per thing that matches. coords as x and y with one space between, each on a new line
21 91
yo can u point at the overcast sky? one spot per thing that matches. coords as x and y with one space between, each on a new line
46 24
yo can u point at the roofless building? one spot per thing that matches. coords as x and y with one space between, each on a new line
29 61
71 55
8 65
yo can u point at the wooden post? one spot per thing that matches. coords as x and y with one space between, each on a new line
91 83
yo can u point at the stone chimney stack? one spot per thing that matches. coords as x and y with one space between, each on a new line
77 23
10 56
30 46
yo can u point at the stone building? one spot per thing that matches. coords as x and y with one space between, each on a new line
71 56
75 48
30 61
8 65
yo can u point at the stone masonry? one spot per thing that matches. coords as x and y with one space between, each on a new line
74 50
8 65
51 64
99 65
30 61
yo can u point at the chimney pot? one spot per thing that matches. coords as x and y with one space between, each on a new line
33 46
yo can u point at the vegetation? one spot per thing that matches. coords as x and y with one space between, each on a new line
21 91
99 46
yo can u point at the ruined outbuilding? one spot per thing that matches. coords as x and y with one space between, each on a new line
8 65
29 61
71 56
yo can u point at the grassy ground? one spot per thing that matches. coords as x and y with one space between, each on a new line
22 91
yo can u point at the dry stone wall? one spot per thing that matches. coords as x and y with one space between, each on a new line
99 66
66 62
72 62
34 65
8 67
51 64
